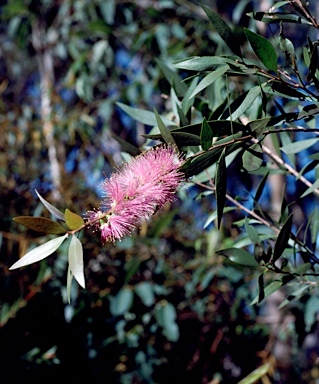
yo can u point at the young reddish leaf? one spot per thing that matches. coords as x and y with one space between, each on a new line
39 253
40 224
221 184
263 49
73 221
76 260
206 135
283 238
54 211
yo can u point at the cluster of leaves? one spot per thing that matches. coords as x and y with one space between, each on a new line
223 109
236 126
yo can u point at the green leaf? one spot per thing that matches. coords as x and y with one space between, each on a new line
252 232
73 221
258 126
141 115
173 79
257 374
311 189
76 260
277 284
188 101
263 49
54 211
239 256
165 314
289 50
285 90
295 295
283 238
165 132
40 224
206 135
223 30
203 63
127 147
261 187
145 291
209 79
261 292
213 216
314 226
250 97
193 166
253 158
39 253
298 146
122 302
277 17
221 185
311 311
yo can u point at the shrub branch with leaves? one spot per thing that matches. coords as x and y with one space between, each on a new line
225 108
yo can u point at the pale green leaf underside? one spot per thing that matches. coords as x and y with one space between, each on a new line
39 253
76 260
54 211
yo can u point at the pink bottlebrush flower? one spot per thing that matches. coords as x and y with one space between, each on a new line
137 190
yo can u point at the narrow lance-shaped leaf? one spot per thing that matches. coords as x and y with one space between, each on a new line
253 158
276 284
39 253
283 238
263 49
209 79
261 287
141 115
40 224
223 30
206 135
165 132
54 211
314 227
239 256
73 221
251 96
76 260
261 187
221 185
252 232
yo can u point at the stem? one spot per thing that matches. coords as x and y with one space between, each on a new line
90 223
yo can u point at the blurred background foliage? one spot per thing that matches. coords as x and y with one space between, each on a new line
160 306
